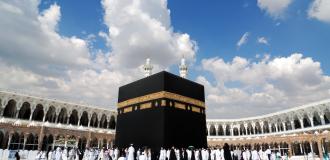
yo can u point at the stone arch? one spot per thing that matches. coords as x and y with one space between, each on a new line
17 141
47 142
316 119
94 120
84 119
94 143
235 131
258 128
250 128
2 138
103 121
51 114
62 116
38 113
220 130
296 123
74 117
31 142
212 130
280 126
306 121
227 130
326 116
266 127
112 122
25 111
273 128
82 143
10 109
288 124
242 129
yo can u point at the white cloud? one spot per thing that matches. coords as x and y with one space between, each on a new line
320 10
243 39
141 29
275 8
262 40
263 86
36 58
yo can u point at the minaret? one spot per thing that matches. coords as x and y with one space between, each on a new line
147 68
183 68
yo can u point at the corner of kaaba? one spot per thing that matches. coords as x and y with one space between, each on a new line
161 110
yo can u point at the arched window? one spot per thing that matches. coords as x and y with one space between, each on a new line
73 117
316 119
94 120
82 144
38 113
94 143
242 129
84 119
51 114
212 130
10 109
47 142
112 124
25 111
220 130
16 142
258 128
227 130
235 130
2 139
266 127
296 123
306 121
31 142
103 122
63 116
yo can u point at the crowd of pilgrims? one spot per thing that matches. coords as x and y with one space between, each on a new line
173 153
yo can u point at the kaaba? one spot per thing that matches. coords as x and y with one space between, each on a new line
161 110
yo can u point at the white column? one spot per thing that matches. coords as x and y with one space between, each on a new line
276 127
262 127
301 123
216 129
33 107
322 119
9 139
311 120
284 126
253 128
292 125
311 144
207 126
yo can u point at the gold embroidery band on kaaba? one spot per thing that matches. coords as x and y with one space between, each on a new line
161 94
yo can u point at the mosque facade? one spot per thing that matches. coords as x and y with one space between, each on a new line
32 123
35 123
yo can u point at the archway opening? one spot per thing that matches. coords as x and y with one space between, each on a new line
25 111
38 113
73 117
51 115
62 117
84 119
10 109
112 122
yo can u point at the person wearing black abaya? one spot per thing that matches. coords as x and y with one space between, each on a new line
172 154
226 152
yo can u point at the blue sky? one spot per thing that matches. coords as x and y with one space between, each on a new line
217 26
255 56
